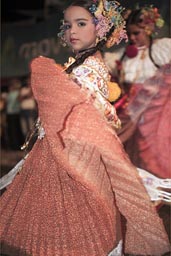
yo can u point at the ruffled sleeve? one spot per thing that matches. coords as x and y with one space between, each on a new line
161 51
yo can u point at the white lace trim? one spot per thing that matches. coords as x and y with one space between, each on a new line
155 186
8 178
41 130
41 133
118 250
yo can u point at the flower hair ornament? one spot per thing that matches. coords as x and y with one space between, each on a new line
107 14
150 19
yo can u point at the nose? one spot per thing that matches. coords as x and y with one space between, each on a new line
73 29
132 38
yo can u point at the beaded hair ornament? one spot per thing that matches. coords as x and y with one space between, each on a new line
107 14
151 19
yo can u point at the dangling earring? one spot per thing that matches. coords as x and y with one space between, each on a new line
64 42
62 38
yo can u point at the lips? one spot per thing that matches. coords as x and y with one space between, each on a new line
73 40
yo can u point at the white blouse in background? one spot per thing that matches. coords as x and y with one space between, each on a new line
140 68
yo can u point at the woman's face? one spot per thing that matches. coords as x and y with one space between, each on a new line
137 35
80 31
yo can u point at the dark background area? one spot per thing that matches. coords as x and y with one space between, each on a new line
20 10
25 11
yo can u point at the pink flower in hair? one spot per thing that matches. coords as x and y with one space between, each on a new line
102 26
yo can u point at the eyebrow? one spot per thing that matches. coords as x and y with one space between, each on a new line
79 19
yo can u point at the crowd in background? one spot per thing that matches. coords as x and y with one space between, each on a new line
18 113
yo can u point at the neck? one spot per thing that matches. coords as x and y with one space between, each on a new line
80 53
147 43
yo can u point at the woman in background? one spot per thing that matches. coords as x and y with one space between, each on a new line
143 71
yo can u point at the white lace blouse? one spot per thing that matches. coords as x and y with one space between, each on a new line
94 76
140 68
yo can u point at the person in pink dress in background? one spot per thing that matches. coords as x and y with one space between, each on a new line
143 70
77 180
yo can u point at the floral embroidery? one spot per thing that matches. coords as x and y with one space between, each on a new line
93 75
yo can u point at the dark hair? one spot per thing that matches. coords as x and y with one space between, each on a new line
81 3
135 18
86 53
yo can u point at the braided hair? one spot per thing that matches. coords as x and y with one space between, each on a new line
88 52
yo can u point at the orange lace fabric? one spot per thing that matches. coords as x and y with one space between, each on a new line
75 182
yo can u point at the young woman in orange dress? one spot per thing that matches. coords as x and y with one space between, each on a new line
77 180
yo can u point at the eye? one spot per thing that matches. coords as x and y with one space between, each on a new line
66 26
136 33
81 24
